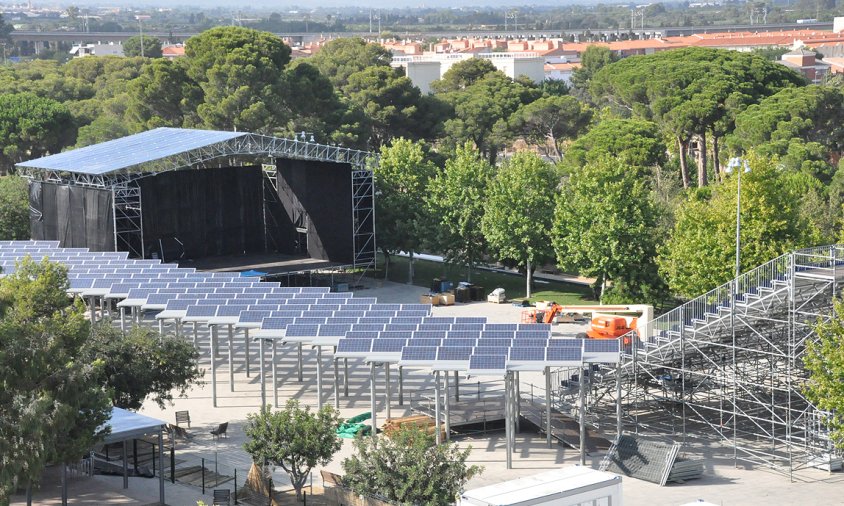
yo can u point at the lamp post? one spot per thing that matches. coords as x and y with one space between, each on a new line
739 165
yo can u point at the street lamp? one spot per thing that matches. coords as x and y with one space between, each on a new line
739 165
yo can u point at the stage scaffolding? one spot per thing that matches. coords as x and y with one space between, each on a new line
238 148
728 365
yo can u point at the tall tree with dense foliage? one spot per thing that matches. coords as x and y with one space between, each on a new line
393 106
690 93
52 406
605 226
592 59
408 467
143 364
481 112
518 212
340 58
240 73
163 95
637 142
549 122
151 47
401 177
312 102
32 127
824 360
293 438
457 195
14 209
463 74
795 124
700 252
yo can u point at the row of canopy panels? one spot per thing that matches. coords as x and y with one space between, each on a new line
360 327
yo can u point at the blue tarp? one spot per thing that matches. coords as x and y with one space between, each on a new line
252 274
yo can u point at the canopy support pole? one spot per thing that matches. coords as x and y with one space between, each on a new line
261 373
213 341
275 381
231 358
447 409
246 340
319 376
336 381
437 407
548 406
372 397
299 351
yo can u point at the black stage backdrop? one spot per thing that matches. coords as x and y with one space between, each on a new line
212 212
76 216
319 194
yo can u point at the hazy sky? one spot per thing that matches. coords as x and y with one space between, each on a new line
279 4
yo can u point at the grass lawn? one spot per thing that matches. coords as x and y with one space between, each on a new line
425 271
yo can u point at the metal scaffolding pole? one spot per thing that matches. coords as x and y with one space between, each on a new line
213 367
456 386
372 398
345 377
387 392
548 406
437 407
582 416
401 386
319 376
275 380
246 342
508 420
336 364
123 320
261 372
231 358
447 405
299 356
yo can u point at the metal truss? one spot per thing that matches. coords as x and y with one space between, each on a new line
128 219
247 148
728 365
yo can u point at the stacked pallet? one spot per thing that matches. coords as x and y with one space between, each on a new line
424 422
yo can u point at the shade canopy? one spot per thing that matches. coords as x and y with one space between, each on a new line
129 425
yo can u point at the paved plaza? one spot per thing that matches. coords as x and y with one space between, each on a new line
723 481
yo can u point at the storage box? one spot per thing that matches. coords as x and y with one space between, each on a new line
428 298
447 299
497 296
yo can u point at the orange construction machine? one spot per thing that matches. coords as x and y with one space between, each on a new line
609 327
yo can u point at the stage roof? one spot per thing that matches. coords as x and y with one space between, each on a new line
126 152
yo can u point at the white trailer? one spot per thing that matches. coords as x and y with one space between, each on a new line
570 486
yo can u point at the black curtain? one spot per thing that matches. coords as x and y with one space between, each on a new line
76 216
210 211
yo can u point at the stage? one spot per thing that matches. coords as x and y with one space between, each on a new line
271 263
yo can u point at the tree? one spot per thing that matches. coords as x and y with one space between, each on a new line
690 93
795 121
163 95
143 363
293 438
240 73
700 252
519 205
605 225
312 102
408 467
340 58
592 59
14 209
637 142
52 407
457 196
401 176
5 30
481 112
549 121
392 104
463 74
31 127
151 47
824 360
